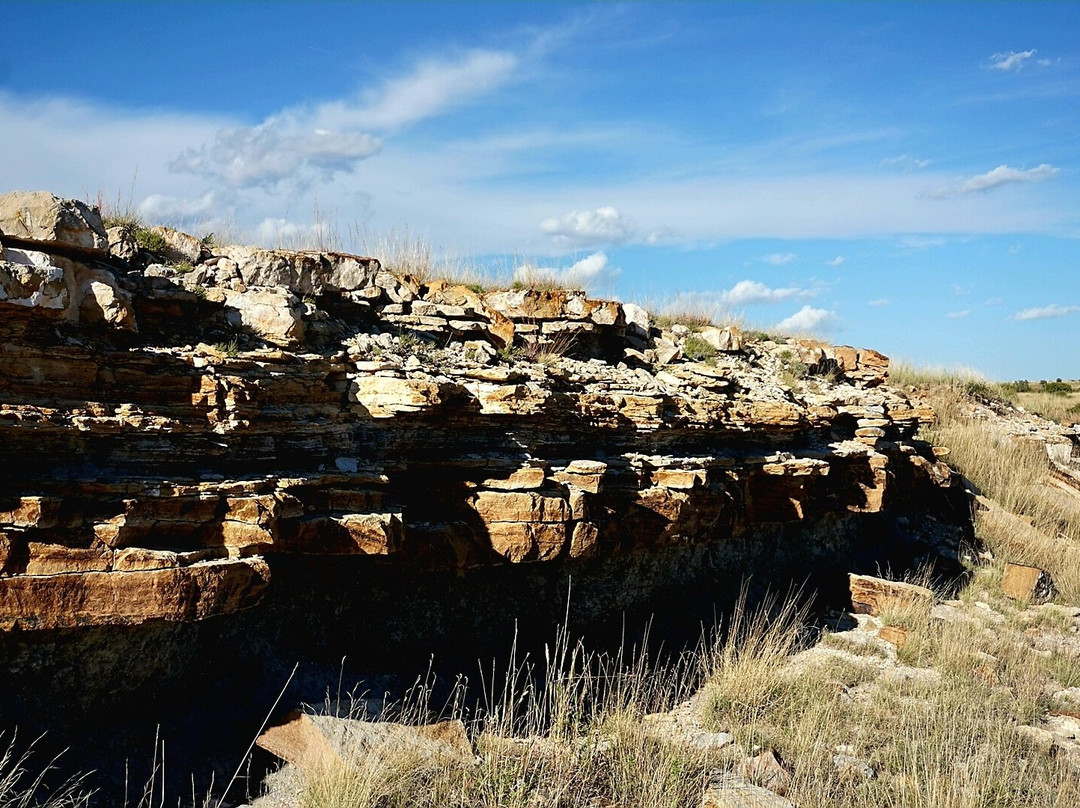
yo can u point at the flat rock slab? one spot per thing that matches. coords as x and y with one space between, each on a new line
1021 582
124 598
731 791
869 594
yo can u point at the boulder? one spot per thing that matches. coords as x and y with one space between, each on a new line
102 301
122 243
315 742
732 791
723 339
28 279
1021 582
274 314
41 218
178 246
869 595
765 770
638 324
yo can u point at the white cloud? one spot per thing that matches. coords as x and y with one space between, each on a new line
161 208
302 144
778 259
994 301
958 315
290 235
807 319
1003 175
835 262
1012 60
592 272
432 88
1045 312
881 301
748 292
743 293
580 227
281 148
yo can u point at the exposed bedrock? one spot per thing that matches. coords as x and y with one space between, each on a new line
212 470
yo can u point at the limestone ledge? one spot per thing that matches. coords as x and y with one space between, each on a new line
165 427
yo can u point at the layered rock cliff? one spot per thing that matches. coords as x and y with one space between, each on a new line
193 432
164 427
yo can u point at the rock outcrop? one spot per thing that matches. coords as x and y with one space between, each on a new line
191 440
355 412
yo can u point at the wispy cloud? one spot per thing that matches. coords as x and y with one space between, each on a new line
305 143
581 227
881 301
276 150
1010 60
835 262
1045 312
162 208
778 259
807 319
434 87
1002 175
906 161
958 315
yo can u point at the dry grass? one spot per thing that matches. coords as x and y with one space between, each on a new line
1012 472
24 784
565 732
938 740
1063 408
942 733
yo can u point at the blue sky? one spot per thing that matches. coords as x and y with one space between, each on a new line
904 177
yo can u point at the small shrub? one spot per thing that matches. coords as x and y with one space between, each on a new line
231 348
1058 388
184 266
1021 386
793 369
150 240
693 320
546 350
698 349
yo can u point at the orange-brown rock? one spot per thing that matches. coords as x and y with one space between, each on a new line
870 595
155 419
1030 584
95 598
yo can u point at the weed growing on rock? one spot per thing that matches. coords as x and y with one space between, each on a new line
698 349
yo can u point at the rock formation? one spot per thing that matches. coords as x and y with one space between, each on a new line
184 431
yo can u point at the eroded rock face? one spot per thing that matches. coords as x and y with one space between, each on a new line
259 456
385 431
